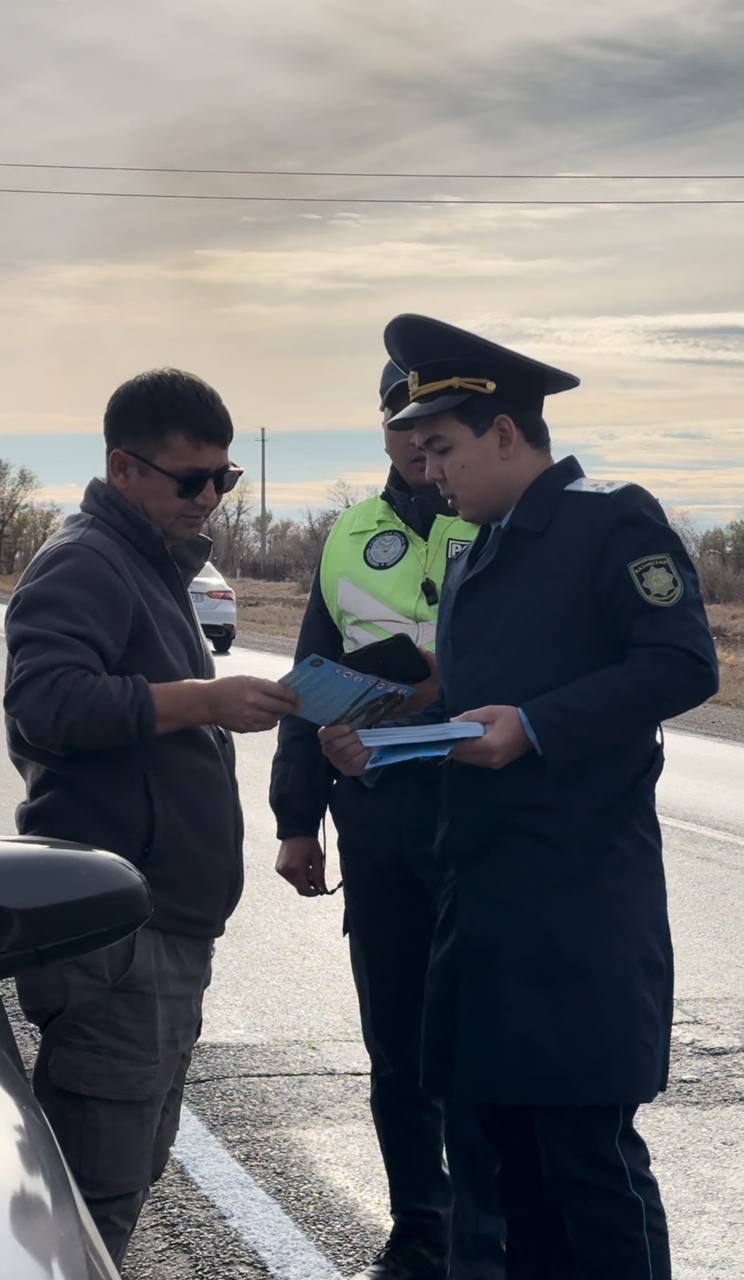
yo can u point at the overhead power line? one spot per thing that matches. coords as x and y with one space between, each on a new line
454 201
359 173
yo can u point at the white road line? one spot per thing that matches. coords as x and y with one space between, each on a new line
710 833
259 1221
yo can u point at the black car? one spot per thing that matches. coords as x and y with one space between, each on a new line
56 900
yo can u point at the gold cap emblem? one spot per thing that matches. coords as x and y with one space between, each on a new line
416 388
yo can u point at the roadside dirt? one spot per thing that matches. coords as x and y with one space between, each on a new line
270 614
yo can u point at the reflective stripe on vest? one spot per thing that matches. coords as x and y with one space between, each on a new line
372 569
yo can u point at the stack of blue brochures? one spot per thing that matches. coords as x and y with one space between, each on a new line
416 741
330 693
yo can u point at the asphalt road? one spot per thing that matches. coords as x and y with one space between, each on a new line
277 1172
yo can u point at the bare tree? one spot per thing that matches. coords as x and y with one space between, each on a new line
231 529
718 556
721 563
32 526
342 495
315 529
16 486
681 522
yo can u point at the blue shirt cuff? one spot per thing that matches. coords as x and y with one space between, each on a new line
529 731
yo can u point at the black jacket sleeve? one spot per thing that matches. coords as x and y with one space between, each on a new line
66 627
301 778
648 597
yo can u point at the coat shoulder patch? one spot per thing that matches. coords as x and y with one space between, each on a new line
657 579
585 485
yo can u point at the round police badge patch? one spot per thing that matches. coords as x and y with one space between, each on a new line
385 549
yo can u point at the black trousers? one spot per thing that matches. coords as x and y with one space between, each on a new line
391 882
578 1194
118 1028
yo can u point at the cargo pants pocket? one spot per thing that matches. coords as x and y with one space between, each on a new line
104 1112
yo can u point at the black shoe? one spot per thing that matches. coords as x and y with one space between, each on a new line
406 1260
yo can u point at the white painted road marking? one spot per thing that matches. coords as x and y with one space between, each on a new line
708 833
262 1225
703 786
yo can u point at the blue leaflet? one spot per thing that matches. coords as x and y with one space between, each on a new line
333 694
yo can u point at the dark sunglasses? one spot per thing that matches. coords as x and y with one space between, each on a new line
191 483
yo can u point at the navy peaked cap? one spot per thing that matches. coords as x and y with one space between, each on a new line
446 366
391 378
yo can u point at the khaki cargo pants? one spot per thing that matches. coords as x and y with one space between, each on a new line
117 1032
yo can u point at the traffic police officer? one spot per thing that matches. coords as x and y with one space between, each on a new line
571 629
381 573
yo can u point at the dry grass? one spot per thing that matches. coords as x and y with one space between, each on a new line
264 608
727 624
274 609
272 612
731 692
269 608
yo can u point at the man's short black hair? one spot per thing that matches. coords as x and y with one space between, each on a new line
144 411
478 414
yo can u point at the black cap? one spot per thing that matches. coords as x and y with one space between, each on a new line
391 378
446 366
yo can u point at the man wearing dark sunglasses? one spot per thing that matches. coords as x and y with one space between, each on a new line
121 733
191 483
182 503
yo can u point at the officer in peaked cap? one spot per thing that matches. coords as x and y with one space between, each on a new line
381 573
570 629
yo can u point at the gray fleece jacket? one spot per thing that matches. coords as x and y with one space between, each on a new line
102 612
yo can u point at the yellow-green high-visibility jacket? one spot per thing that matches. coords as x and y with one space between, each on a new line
376 570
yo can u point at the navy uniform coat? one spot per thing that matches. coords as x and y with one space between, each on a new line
551 976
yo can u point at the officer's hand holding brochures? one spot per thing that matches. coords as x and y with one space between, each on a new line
335 693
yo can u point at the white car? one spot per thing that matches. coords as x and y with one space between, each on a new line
214 605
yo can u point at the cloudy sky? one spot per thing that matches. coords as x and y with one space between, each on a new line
282 305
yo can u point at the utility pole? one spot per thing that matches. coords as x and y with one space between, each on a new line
263 502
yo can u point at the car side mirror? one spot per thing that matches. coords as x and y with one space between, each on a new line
59 899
